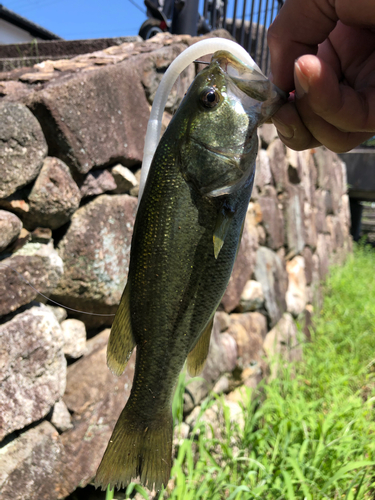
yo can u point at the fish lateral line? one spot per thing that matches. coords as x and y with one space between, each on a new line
51 300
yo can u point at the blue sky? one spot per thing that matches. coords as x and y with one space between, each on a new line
75 19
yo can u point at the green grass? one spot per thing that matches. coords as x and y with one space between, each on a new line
310 433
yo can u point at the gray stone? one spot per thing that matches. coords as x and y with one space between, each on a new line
315 287
294 219
270 272
282 344
59 312
263 174
97 182
278 163
309 174
61 418
22 147
273 221
32 368
294 166
74 334
54 197
322 252
307 255
267 133
10 228
330 176
261 235
335 231
95 251
252 297
243 267
125 180
296 295
322 207
36 263
310 225
31 466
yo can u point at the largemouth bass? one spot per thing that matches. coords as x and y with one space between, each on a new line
185 241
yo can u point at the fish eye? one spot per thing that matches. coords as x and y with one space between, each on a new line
210 97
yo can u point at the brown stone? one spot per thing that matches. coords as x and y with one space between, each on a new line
97 182
252 297
37 264
271 273
32 368
54 197
242 269
95 251
296 295
282 343
10 228
88 118
248 330
273 221
254 214
30 466
22 147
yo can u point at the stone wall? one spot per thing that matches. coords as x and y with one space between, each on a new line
71 141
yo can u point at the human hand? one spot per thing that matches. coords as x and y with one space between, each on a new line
334 99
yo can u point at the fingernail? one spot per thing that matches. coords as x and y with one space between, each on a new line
301 81
285 130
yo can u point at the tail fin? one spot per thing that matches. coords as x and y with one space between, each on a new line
137 449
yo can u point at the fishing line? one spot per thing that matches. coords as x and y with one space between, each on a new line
50 300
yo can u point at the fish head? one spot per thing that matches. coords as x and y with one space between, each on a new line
222 110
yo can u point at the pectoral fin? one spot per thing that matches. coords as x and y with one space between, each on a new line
198 355
121 341
222 226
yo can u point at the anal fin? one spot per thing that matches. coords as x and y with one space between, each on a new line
198 355
121 341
